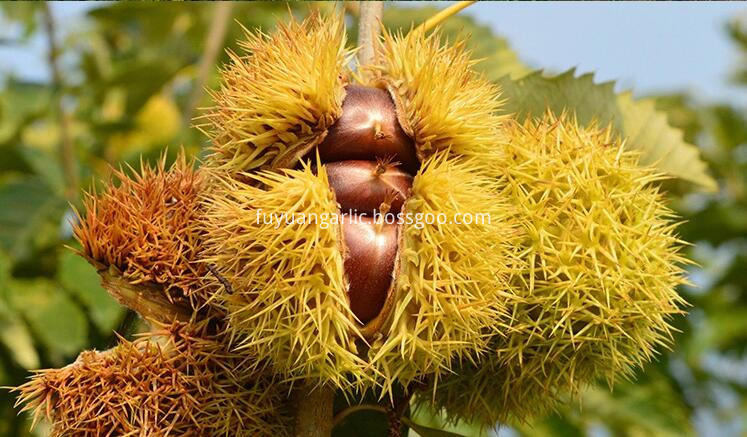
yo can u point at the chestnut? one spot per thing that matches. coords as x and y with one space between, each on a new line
371 249
362 186
368 129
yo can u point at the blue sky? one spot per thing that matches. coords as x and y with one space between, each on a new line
647 46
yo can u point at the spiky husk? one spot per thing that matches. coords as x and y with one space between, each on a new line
144 226
278 98
442 102
451 288
289 301
178 381
598 289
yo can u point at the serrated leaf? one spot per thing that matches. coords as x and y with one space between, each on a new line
661 145
535 93
644 128
80 278
55 320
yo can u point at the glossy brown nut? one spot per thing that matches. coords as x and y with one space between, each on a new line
362 186
369 264
368 129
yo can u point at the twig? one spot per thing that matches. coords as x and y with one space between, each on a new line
213 43
396 413
221 279
369 27
442 16
67 150
148 300
314 408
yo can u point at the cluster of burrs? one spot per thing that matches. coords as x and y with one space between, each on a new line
569 276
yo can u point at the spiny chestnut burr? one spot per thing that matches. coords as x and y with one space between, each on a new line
369 264
361 186
368 129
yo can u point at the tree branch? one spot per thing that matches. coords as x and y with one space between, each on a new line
369 27
213 43
396 413
314 408
67 149
147 300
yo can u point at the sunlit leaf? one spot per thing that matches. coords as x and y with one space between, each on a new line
156 125
17 339
13 332
661 145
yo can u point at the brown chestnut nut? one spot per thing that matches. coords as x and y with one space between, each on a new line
368 129
362 186
369 263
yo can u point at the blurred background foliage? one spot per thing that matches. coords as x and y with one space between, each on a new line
126 85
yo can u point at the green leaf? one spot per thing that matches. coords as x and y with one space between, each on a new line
424 421
425 431
46 166
13 332
29 218
5 267
648 406
644 128
651 405
661 145
80 279
16 337
55 320
534 94
20 104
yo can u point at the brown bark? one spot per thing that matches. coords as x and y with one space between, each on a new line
314 408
